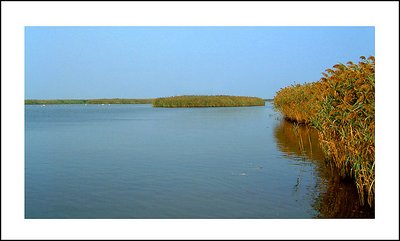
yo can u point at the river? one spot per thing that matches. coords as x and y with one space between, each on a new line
136 161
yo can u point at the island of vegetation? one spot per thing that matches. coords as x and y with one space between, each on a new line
207 101
88 101
341 106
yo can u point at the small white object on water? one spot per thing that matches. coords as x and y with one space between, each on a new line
243 174
102 104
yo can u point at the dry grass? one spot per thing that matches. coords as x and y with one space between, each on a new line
341 106
207 101
333 196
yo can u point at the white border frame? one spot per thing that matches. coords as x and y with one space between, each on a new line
383 15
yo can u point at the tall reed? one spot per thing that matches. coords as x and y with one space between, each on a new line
341 106
207 101
333 197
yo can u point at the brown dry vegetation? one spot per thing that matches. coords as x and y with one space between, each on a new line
334 197
341 106
207 101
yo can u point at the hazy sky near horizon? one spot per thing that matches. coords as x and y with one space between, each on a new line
147 62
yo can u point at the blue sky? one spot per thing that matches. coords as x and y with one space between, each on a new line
147 62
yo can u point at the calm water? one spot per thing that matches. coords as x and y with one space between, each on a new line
135 161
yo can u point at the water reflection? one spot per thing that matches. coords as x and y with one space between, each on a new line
333 196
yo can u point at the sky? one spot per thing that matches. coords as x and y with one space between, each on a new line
149 62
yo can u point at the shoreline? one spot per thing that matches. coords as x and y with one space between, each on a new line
88 101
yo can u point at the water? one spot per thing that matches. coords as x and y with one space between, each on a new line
135 161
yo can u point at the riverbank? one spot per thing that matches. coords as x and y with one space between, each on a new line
341 106
207 101
338 197
88 101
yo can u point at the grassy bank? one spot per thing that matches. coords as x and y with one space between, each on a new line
341 106
88 101
207 101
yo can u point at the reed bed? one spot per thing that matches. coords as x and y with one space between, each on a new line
88 101
207 101
341 106
333 196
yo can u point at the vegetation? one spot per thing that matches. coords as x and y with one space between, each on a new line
341 106
334 197
207 101
90 101
120 101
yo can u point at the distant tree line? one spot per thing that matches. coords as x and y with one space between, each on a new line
88 101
